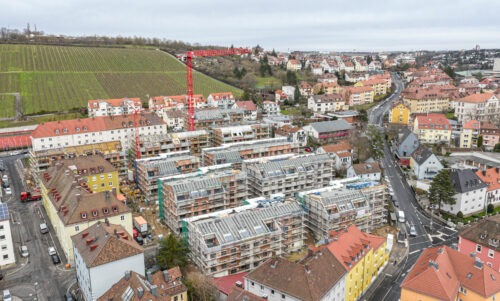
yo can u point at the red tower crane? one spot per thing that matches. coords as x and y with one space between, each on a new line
189 73
136 133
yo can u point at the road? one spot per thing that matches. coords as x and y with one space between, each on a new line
414 214
34 277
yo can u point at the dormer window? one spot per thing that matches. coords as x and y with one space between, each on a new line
65 130
57 132
115 209
77 130
105 210
83 215
94 212
85 128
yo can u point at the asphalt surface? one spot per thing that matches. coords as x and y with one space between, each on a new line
415 216
35 277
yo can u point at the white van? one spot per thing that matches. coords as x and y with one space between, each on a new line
401 216
43 228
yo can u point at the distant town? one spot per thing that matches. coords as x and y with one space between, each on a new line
241 174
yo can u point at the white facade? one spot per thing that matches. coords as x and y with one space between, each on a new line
221 100
319 104
372 176
427 169
113 107
336 293
469 202
7 252
289 91
374 66
95 281
271 108
481 110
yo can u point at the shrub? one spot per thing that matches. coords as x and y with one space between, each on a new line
460 214
490 208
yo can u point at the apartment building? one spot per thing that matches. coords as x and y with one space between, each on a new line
240 133
249 108
399 114
490 133
491 176
469 134
236 153
270 108
470 193
214 189
237 242
424 163
289 176
293 134
356 96
7 252
149 170
111 107
426 101
482 107
326 103
432 128
328 131
111 151
293 65
208 118
378 85
72 207
75 132
224 100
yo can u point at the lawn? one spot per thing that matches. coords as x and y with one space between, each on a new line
269 81
60 78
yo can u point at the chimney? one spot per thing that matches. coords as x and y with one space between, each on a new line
114 192
307 268
473 254
148 276
127 275
166 276
154 290
140 292
85 234
106 220
107 195
239 284
93 247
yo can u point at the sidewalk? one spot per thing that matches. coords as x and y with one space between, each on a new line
398 253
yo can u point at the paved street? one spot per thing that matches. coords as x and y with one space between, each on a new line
34 277
390 287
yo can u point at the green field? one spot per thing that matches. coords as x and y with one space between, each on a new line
59 78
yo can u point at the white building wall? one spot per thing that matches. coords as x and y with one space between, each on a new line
7 255
469 202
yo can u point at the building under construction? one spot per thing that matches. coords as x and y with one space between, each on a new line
149 170
239 133
199 193
229 243
289 176
205 119
236 153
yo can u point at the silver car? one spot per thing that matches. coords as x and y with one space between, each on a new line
413 231
23 250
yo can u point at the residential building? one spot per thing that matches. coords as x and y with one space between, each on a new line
237 153
490 133
98 173
491 176
239 294
161 286
224 100
208 118
424 164
470 193
271 108
293 65
363 255
327 88
198 193
103 253
249 108
355 96
289 91
330 66
317 69
289 176
482 238
154 145
277 120
240 133
326 103
399 114
432 128
159 104
72 207
111 151
174 118
75 132
305 89
328 131
293 134
426 101
112 107
319 277
149 170
379 86
442 273
469 134
7 252
328 78
340 152
374 66
365 171
230 243
355 77
405 143
482 107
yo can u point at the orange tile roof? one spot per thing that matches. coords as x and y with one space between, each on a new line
94 124
247 105
339 148
437 121
347 244
490 176
115 102
10 142
440 271
477 98
371 82
226 283
471 124
222 95
356 90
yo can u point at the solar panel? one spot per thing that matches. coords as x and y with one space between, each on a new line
4 212
244 233
228 237
259 229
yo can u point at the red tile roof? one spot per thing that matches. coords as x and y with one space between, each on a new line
342 147
222 95
226 283
346 245
490 176
116 102
477 98
433 121
12 142
246 105
471 125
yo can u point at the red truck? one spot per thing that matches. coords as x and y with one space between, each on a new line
28 196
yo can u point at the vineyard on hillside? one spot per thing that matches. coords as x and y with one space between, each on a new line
58 78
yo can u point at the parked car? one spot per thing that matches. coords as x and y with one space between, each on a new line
6 295
43 228
413 231
52 251
8 191
69 297
55 259
23 250
139 240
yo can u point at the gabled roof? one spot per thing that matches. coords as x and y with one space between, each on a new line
330 126
433 121
491 177
421 154
366 168
308 280
341 147
239 294
465 180
226 283
484 231
471 125
477 98
246 105
102 243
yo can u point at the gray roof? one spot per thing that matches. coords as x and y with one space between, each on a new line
331 126
273 166
343 198
4 212
195 184
421 154
166 166
214 114
231 156
244 224
403 134
465 180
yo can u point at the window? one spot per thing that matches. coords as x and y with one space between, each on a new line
478 248
110 183
94 178
491 253
463 290
94 213
6 257
83 215
4 247
1 227
77 228
110 176
282 296
122 217
2 237
102 177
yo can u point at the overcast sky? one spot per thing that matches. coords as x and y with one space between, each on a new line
361 25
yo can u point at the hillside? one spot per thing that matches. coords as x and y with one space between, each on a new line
58 78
